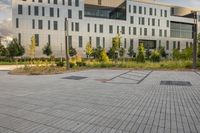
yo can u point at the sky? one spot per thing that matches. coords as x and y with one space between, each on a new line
6 13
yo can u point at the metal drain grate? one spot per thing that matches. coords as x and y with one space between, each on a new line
75 77
177 83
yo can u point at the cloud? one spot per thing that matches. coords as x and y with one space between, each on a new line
5 18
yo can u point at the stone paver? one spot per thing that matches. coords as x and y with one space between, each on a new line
51 104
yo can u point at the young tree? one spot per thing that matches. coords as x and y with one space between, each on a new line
162 52
104 56
96 52
116 42
89 49
121 52
72 51
47 50
15 49
140 55
3 50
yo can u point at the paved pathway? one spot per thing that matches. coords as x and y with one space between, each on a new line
9 67
51 104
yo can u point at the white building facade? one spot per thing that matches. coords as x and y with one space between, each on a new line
150 23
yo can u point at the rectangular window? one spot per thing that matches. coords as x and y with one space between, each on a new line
167 45
69 2
70 41
129 30
37 41
131 19
131 43
158 22
76 26
101 28
174 44
80 38
20 9
58 12
153 21
110 29
160 33
103 42
95 28
80 14
145 10
43 11
72 26
33 24
140 31
51 12
125 43
140 10
134 31
17 23
88 27
123 30
90 40
165 13
143 21
55 25
165 33
36 10
49 24
155 12
134 9
55 2
40 24
150 11
63 2
129 8
167 23
69 13
19 38
145 31
179 46
77 3
153 32
49 39
97 42
29 10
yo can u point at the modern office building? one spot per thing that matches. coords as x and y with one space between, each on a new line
98 21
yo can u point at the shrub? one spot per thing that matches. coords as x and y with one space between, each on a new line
186 53
162 52
104 56
176 54
15 49
96 52
60 63
148 53
111 53
3 50
155 56
140 56
72 51
47 50
121 52
88 49
131 52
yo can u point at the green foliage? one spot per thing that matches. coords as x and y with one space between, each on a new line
185 54
116 42
131 52
96 52
47 50
148 53
72 51
121 52
198 52
111 53
162 52
15 49
140 55
155 56
103 56
60 63
3 50
89 49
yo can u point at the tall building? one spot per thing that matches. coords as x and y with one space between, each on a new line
98 21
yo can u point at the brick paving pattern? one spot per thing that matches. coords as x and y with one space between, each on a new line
51 104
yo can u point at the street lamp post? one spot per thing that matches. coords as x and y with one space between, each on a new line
66 44
195 41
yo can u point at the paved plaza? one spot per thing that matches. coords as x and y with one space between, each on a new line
101 101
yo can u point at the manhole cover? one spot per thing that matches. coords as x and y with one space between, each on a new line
178 83
75 77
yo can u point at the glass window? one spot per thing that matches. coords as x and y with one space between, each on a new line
80 41
20 9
